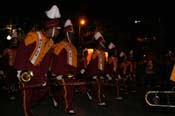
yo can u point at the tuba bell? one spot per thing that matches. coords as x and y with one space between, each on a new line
26 76
160 98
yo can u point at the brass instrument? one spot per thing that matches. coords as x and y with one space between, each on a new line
160 99
70 75
38 85
26 76
55 81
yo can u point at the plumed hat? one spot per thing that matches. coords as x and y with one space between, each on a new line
53 17
111 46
68 26
98 36
122 54
67 23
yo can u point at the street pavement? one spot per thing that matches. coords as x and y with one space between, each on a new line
133 104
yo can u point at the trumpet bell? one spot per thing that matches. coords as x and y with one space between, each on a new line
26 76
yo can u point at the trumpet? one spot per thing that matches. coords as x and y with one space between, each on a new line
26 76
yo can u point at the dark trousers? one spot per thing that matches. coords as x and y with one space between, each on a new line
30 96
66 93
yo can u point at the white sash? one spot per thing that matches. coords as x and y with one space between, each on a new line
69 54
101 62
36 54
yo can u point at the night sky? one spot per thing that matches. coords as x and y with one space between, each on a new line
118 13
109 8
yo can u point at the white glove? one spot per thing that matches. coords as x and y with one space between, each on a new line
94 77
119 77
18 74
101 77
82 71
59 77
109 77
43 84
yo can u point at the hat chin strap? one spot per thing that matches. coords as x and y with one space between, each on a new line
102 44
53 31
68 37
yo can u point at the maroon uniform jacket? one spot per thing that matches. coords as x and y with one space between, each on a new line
112 66
64 59
34 53
96 66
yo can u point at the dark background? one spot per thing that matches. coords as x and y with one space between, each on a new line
157 16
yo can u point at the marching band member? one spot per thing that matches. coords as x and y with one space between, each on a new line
33 60
96 69
64 68
126 72
112 73
9 55
82 75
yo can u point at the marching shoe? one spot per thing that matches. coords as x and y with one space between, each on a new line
119 98
55 102
12 97
102 104
89 96
71 112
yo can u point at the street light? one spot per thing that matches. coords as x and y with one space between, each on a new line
81 23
